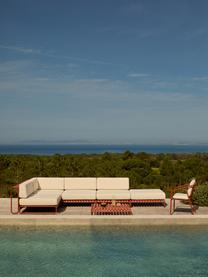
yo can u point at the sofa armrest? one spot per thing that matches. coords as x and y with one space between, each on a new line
28 187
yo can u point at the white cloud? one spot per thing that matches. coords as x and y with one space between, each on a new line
138 75
21 49
72 65
200 78
24 78
53 54
42 79
40 107
15 66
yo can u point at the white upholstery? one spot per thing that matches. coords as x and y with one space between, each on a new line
51 183
113 194
41 198
190 187
147 194
44 192
182 196
28 187
189 191
113 183
192 183
79 194
80 183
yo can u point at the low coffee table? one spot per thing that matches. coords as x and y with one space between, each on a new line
110 209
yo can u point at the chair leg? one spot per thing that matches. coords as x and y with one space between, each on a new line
18 205
192 207
11 205
173 205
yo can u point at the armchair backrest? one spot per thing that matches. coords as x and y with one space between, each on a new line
191 188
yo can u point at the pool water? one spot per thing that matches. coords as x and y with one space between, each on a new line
104 251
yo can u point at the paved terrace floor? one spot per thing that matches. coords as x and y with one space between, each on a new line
181 209
81 216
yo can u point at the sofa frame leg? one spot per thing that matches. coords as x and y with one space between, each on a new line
11 205
171 206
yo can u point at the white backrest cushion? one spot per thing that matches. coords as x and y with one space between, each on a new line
192 183
51 183
190 187
113 183
28 187
80 183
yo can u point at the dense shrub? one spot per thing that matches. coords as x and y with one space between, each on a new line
200 195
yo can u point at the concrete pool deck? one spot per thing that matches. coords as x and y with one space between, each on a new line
76 215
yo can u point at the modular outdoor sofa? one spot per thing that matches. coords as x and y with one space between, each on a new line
51 191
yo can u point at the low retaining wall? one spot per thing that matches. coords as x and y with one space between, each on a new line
57 220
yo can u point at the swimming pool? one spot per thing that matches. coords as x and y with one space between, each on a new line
104 251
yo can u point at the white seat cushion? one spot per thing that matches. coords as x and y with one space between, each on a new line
147 194
113 183
42 198
44 192
182 196
113 194
79 194
80 183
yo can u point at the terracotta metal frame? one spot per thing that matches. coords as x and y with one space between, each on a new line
11 205
109 201
37 206
149 201
181 188
77 201
15 188
127 201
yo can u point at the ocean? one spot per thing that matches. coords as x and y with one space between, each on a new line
99 148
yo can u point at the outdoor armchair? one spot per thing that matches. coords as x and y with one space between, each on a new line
182 193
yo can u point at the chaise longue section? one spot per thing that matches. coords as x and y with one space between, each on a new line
41 192
148 196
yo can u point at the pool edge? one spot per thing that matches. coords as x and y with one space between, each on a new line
85 220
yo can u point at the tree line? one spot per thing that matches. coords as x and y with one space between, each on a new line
144 170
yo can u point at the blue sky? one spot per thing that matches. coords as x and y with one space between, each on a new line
103 71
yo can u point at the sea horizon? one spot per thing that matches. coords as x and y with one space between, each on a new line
93 148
